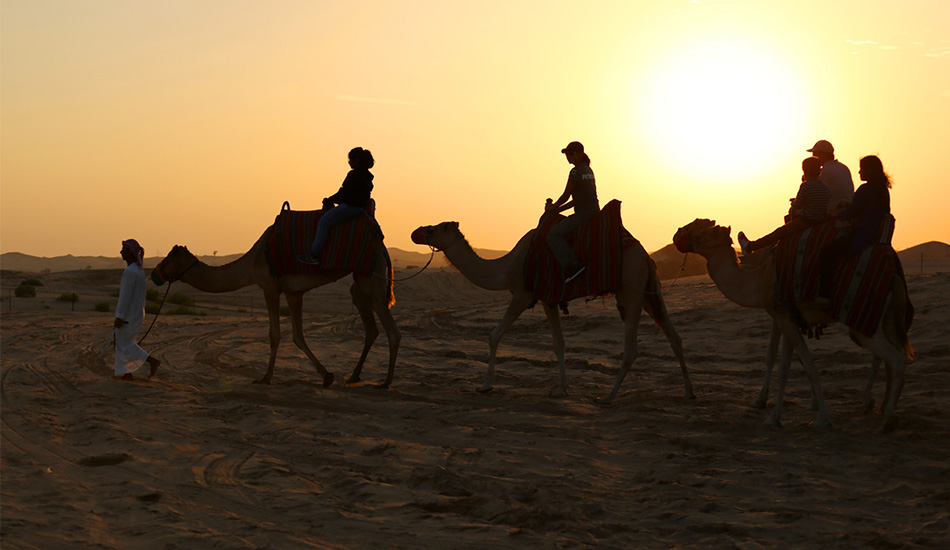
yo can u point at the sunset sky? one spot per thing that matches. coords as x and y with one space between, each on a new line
191 122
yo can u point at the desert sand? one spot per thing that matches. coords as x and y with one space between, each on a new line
202 458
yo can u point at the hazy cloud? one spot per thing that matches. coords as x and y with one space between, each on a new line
377 100
871 43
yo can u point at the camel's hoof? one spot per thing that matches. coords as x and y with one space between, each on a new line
485 389
821 424
889 425
382 386
774 422
352 380
757 404
262 381
603 401
869 406
328 379
558 393
690 396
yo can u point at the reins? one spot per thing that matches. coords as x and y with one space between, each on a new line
167 290
431 256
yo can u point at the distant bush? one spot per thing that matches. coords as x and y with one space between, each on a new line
242 310
114 294
24 290
101 306
181 299
185 310
68 297
32 282
152 295
152 309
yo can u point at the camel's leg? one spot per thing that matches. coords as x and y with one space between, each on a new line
370 332
295 303
517 305
895 363
793 341
868 397
770 355
662 318
554 320
631 325
392 333
272 299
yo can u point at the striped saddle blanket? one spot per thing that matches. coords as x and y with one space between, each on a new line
861 282
351 245
599 245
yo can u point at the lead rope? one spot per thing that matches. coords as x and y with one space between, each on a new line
678 273
431 256
167 290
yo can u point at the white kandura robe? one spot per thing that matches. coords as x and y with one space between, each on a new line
131 309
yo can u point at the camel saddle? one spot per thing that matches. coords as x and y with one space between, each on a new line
861 282
599 245
351 245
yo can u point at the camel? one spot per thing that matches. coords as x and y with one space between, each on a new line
751 286
371 293
640 289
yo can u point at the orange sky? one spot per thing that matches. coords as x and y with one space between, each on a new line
182 122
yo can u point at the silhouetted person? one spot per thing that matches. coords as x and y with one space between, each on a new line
834 174
351 200
582 189
809 207
129 313
871 205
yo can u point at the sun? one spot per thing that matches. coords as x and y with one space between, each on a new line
715 107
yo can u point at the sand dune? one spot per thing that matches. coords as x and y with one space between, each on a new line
203 458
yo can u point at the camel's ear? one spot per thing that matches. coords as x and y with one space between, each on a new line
729 230
455 225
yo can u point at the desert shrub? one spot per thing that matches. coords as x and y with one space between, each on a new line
68 297
242 310
32 282
181 299
24 290
114 294
152 295
152 309
101 306
185 310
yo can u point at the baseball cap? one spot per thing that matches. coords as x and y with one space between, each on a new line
573 147
822 146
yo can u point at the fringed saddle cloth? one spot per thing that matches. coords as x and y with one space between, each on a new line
599 245
861 282
351 245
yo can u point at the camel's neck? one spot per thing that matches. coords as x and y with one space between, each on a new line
487 274
746 286
226 278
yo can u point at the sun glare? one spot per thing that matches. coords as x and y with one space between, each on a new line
711 110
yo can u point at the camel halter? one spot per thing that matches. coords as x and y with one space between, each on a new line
167 290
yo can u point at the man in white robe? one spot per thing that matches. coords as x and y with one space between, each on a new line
129 314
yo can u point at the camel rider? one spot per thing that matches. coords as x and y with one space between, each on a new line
582 188
351 200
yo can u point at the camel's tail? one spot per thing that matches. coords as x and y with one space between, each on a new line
391 296
653 303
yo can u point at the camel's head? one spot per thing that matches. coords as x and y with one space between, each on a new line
701 235
438 236
173 266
